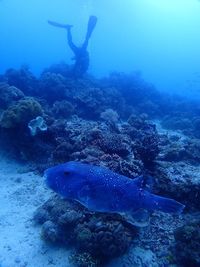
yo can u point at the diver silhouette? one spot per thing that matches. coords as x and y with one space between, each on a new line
81 55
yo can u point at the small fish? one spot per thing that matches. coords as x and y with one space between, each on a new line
101 190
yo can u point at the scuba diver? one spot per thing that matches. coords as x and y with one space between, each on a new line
81 55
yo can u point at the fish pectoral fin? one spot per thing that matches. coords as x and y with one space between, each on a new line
84 193
140 218
144 181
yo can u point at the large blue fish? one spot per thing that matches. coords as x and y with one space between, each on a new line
101 190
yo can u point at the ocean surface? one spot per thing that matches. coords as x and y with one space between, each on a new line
113 84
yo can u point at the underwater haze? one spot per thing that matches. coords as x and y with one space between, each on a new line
159 38
99 133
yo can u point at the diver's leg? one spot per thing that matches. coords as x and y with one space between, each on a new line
69 39
59 25
69 34
91 25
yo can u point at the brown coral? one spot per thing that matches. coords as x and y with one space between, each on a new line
8 94
21 113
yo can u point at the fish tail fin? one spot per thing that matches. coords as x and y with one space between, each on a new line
167 205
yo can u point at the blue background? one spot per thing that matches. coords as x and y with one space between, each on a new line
159 38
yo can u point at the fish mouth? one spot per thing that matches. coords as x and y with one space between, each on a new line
46 178
45 174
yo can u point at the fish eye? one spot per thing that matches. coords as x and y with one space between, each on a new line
66 173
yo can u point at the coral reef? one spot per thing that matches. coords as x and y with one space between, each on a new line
145 139
60 68
22 79
188 242
110 116
63 109
83 260
52 87
95 100
176 123
62 152
99 236
137 257
120 122
21 113
9 94
115 144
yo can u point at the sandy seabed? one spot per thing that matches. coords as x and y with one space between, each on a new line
21 192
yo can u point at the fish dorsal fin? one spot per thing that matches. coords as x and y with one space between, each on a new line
139 181
144 181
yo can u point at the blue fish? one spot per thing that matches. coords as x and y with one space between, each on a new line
101 190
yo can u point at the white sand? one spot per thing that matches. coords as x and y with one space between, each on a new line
20 243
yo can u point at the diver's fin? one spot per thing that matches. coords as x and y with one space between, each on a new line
59 25
144 181
138 218
91 25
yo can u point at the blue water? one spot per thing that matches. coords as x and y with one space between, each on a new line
132 110
158 38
